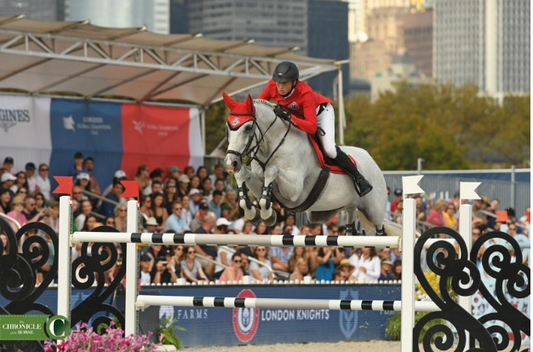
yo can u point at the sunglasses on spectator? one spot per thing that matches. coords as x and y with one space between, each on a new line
261 249
237 261
109 222
177 209
76 193
190 252
122 209
43 169
179 249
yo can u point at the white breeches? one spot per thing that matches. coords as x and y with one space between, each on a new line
326 121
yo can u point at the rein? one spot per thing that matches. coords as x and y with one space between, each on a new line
252 151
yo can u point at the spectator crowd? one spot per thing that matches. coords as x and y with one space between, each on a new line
204 201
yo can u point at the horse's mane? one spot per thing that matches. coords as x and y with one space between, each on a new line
265 103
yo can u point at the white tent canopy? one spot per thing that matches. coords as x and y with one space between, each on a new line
45 57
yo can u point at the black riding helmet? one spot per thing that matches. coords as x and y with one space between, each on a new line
286 71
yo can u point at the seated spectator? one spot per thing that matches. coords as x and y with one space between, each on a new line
189 171
121 214
151 225
297 253
51 217
397 269
108 208
220 185
301 269
110 221
218 174
88 164
206 188
192 269
17 207
43 182
22 193
201 172
20 182
215 203
261 228
233 272
5 200
247 228
186 212
170 193
201 215
146 269
78 165
346 269
245 264
196 201
184 182
156 187
449 216
176 222
90 222
338 275
40 201
86 209
436 215
6 182
119 175
157 251
173 172
30 212
305 230
179 256
30 176
196 183
164 272
207 251
159 210
325 266
290 220
280 257
143 176
230 207
261 272
146 206
223 254
386 271
369 266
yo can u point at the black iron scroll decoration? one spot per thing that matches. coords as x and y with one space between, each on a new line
90 268
457 273
18 272
512 279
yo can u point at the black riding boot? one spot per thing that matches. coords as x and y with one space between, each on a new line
362 186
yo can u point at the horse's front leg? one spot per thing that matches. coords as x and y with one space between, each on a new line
265 203
245 178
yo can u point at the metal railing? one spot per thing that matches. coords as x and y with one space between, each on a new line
10 219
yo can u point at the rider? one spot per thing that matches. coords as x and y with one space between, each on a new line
306 109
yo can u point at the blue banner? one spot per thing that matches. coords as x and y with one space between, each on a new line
92 128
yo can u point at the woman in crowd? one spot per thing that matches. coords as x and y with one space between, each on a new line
397 270
5 201
436 215
261 228
40 201
247 228
192 269
22 192
261 272
146 206
170 193
4 244
143 176
206 188
159 210
369 266
449 216
90 223
325 267
189 171
195 182
179 256
220 185
183 188
233 272
110 221
121 213
297 254
202 173
17 206
301 269
20 182
186 212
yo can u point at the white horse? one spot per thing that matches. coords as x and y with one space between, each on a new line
285 165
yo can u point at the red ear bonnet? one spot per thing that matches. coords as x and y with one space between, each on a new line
240 112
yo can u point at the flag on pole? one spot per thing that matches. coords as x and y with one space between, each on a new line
64 185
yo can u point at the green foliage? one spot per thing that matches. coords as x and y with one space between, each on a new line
449 127
215 125
393 330
167 333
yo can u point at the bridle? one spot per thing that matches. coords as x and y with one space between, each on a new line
252 151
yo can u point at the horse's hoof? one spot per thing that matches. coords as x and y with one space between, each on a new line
271 221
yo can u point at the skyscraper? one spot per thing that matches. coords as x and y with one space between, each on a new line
44 10
154 14
486 43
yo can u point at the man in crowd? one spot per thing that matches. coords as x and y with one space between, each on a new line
208 224
8 164
215 203
108 208
7 180
196 200
176 222
30 176
88 164
78 165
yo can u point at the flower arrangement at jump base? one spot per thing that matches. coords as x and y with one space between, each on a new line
84 339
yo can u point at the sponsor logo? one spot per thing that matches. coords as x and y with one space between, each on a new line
348 318
10 118
33 327
138 126
293 106
245 320
57 327
235 121
69 124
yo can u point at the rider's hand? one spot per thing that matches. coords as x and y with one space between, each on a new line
281 113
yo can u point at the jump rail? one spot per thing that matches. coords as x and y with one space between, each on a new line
134 302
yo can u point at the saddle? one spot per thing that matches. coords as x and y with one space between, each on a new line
323 158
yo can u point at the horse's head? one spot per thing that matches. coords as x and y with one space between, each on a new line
241 128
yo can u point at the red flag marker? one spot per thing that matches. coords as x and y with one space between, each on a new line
64 185
131 189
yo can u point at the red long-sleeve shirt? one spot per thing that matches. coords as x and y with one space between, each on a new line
302 103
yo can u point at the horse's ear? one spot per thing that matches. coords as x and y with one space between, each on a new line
230 102
250 104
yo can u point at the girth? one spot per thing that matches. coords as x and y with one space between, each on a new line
315 192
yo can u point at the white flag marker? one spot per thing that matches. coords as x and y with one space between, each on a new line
468 190
410 184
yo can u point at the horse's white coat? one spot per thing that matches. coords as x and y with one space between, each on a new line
294 169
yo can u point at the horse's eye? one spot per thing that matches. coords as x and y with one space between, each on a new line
248 128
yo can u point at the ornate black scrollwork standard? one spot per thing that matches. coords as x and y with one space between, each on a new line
512 278
21 267
89 269
459 274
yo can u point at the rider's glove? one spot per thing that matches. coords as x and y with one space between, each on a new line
281 113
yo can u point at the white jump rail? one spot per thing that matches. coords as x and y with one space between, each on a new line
134 302
144 301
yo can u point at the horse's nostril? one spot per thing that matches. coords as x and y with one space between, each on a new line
235 164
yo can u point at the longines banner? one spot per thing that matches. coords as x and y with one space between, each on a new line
117 136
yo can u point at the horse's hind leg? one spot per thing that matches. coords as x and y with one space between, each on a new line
351 228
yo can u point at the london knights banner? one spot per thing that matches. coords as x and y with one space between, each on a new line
117 135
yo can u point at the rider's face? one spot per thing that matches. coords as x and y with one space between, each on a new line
284 87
